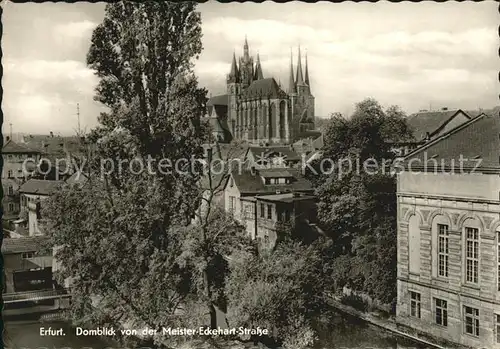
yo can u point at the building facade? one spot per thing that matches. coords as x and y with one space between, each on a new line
19 161
33 193
261 199
24 267
449 236
257 109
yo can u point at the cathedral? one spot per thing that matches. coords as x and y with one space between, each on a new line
257 109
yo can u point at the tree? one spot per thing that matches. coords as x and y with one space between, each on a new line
120 236
357 203
280 290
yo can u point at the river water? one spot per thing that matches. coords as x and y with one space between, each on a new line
343 333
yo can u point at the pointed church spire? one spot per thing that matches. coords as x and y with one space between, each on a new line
233 74
246 54
307 72
291 82
300 77
258 70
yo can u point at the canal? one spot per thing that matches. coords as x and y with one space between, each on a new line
341 333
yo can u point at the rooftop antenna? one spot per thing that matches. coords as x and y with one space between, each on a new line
78 116
10 125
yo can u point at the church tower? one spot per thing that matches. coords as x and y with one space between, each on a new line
233 88
246 66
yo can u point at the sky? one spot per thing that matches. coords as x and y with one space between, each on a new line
414 55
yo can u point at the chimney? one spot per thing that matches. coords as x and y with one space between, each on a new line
51 134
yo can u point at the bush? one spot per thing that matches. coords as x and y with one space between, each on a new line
356 302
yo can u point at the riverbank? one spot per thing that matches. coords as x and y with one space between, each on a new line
390 325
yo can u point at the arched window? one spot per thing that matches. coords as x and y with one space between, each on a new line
272 121
414 244
282 119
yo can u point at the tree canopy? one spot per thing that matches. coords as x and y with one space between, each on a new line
357 198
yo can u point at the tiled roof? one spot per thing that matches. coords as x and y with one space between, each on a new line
264 88
264 152
77 177
308 145
12 147
24 244
476 139
492 112
55 145
40 186
275 173
430 122
251 183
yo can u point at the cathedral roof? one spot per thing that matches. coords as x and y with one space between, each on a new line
218 100
265 88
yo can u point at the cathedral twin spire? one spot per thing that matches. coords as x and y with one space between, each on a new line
299 80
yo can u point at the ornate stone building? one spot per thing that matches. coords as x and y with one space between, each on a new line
449 236
257 109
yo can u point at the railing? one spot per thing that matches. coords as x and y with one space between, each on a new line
30 296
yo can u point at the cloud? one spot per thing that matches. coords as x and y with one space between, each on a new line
434 64
75 30
42 94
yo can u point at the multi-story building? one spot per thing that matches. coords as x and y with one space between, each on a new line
245 192
33 193
449 236
266 216
257 109
19 162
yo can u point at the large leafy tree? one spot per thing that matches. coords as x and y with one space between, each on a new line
120 237
281 290
357 198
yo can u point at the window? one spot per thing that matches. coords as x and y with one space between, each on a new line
471 321
267 181
9 173
27 255
415 304
287 216
441 312
11 207
443 250
276 181
266 239
498 260
262 210
232 204
10 190
497 321
269 211
472 255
